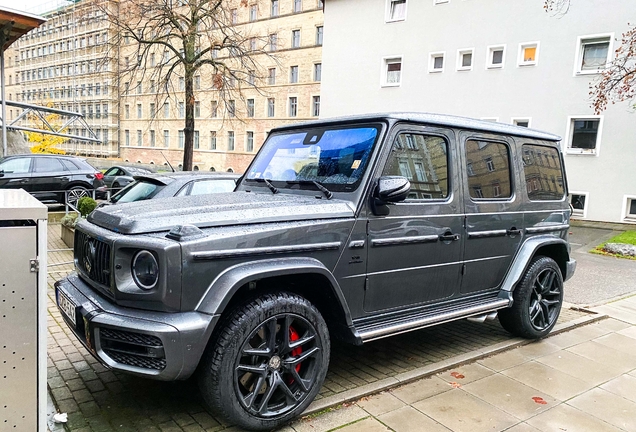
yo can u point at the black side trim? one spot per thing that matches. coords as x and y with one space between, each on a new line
404 240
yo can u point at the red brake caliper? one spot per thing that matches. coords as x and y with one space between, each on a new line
294 336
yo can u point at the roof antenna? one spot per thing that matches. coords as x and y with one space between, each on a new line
167 161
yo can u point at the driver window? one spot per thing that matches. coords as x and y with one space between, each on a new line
423 160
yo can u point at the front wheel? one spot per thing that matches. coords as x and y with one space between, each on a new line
267 363
537 300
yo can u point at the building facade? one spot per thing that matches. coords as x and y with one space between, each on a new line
70 63
496 60
229 133
75 62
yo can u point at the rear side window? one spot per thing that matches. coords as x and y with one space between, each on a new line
44 165
69 165
543 173
136 191
488 169
423 159
204 187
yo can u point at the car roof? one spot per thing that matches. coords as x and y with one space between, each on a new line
39 155
185 176
430 119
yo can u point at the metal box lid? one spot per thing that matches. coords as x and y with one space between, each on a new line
17 204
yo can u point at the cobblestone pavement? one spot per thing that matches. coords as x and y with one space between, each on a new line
98 399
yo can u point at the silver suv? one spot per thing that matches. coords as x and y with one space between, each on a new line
355 228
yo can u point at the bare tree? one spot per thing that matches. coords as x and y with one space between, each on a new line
175 40
617 82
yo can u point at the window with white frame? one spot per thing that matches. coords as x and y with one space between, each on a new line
293 106
396 10
436 62
584 134
629 214
293 74
295 40
579 203
392 72
521 121
593 53
528 54
315 106
249 144
465 59
496 57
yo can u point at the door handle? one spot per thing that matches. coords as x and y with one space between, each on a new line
23 181
448 236
513 232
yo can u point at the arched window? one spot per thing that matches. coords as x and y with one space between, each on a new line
196 168
212 169
230 170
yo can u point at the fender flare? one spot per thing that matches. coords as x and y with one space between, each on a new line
227 283
525 254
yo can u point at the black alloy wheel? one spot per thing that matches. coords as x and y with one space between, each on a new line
277 366
537 300
266 362
545 299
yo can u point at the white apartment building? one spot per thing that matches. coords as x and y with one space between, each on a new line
496 60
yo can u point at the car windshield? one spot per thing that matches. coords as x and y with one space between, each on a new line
335 157
136 191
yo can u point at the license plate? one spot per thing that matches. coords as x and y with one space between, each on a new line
66 306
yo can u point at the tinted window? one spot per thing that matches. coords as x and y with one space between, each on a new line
212 186
488 169
45 165
423 160
114 171
16 166
69 165
136 191
543 172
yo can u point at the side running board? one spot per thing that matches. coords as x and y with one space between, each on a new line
418 321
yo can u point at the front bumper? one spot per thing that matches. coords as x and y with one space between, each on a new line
159 345
569 269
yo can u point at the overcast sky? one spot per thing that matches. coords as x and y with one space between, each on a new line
32 6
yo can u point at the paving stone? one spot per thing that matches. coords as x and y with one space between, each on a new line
421 389
567 418
408 419
624 386
82 396
466 373
462 412
380 404
366 425
548 380
61 393
608 407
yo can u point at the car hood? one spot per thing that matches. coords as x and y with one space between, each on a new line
203 211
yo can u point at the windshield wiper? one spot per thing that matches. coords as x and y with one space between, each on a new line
318 185
269 184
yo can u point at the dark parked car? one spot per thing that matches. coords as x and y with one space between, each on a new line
51 177
181 183
356 228
117 177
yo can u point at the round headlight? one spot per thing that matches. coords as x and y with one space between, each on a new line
145 270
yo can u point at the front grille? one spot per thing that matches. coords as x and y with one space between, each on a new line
138 361
133 349
92 256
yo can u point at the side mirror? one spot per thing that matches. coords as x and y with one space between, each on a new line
390 189
1 173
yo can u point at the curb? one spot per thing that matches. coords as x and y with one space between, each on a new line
426 371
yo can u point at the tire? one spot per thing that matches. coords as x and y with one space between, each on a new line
252 350
537 300
75 193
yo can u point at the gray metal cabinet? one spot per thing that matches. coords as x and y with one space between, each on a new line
23 229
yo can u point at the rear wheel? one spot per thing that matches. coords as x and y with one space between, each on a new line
267 363
537 300
75 193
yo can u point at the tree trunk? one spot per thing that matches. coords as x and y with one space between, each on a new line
188 130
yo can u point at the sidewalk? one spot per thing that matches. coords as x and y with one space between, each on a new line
578 381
